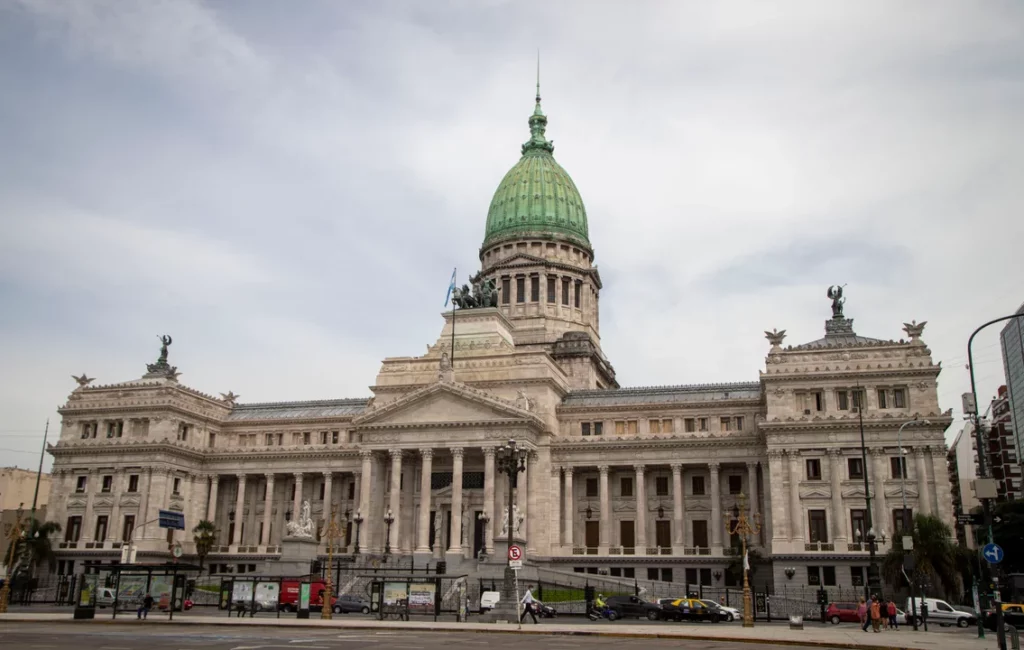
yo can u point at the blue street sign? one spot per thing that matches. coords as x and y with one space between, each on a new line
993 553
176 520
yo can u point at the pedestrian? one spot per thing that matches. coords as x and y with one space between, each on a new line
862 615
147 604
893 623
528 603
876 614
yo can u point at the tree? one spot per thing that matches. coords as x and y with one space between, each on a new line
937 559
34 547
205 534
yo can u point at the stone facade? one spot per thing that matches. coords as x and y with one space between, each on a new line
623 480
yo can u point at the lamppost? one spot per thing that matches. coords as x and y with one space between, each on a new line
970 404
359 522
907 525
485 519
510 460
332 533
873 583
743 527
13 532
389 518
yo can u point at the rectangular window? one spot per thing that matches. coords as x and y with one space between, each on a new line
817 525
735 484
858 524
814 576
857 576
654 426
813 469
882 403
80 486
133 483
632 427
828 576
177 486
702 424
855 467
725 424
520 289
598 428
305 437
627 534
565 291
857 398
270 439
101 528
652 573
898 466
534 288
705 576
585 428
902 520
700 533
697 485
108 484
576 295
899 398
661 486
663 533
668 426
666 575
739 423
620 427
819 401
615 572
551 291
73 531
689 425
506 291
591 487
626 487
323 489
351 492
128 528
691 576
323 437
212 440
842 400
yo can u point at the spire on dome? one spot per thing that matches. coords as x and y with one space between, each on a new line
538 124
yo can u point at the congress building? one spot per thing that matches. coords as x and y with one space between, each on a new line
633 482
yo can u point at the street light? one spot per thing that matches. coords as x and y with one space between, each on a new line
510 460
359 521
872 583
332 533
743 527
485 519
389 518
907 525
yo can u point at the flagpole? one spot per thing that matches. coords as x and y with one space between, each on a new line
39 472
452 355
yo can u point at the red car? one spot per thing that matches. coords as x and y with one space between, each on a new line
842 613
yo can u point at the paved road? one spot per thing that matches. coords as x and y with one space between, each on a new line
28 636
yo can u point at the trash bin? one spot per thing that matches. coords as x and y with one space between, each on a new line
796 622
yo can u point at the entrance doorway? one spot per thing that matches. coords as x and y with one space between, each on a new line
478 534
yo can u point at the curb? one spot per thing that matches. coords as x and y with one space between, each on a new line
495 630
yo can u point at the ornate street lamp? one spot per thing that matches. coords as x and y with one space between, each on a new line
389 518
332 533
743 527
485 519
359 521
510 460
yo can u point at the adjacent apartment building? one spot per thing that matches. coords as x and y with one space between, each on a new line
1012 342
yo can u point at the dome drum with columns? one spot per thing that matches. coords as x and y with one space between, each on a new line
620 481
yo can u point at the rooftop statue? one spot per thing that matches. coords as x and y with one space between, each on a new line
483 293
161 368
84 380
835 292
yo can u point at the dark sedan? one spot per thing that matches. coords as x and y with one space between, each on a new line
633 607
349 604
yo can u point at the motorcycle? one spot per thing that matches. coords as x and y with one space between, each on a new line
595 613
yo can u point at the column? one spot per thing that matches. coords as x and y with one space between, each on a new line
678 516
365 486
188 494
423 539
114 526
879 517
522 492
88 525
924 497
606 512
456 537
570 509
796 516
268 507
942 502
489 498
297 500
396 497
537 536
641 510
211 505
776 499
143 517
555 500
717 523
328 489
755 504
838 513
239 505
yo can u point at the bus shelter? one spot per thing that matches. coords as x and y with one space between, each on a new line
401 596
164 582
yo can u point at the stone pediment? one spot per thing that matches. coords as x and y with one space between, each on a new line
850 492
894 491
816 492
445 403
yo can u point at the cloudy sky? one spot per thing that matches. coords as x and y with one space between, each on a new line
285 186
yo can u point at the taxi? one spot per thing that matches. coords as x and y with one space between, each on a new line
689 609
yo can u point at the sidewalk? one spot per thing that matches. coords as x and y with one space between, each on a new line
834 637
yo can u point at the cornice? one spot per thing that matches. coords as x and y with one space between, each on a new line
660 406
805 375
661 442
68 450
941 422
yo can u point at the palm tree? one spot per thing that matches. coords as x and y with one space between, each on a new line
936 558
205 535
35 548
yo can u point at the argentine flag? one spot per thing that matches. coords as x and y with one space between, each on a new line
451 288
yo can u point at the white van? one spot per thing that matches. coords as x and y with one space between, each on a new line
488 600
941 612
104 597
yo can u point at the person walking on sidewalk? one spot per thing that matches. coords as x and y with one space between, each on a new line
147 604
528 605
876 614
862 615
893 623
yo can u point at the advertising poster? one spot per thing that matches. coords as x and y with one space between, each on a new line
241 592
160 589
421 598
132 590
266 595
304 595
395 593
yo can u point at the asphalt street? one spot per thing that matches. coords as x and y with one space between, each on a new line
159 637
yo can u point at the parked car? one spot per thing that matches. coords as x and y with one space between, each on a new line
488 600
940 612
1013 614
690 609
729 614
633 607
842 612
104 597
349 603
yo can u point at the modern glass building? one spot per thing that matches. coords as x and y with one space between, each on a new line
1012 339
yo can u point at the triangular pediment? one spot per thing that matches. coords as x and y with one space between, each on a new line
445 403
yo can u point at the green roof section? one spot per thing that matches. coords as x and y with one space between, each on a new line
537 198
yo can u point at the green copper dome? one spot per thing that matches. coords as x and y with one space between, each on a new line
537 198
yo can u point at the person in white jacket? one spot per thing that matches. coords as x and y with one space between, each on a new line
529 603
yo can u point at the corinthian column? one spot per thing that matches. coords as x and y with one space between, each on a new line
879 520
396 497
570 509
268 507
211 506
796 517
365 489
717 523
678 520
606 515
838 514
641 510
489 498
239 507
423 538
456 536
114 526
923 493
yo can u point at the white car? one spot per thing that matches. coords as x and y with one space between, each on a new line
729 614
488 600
